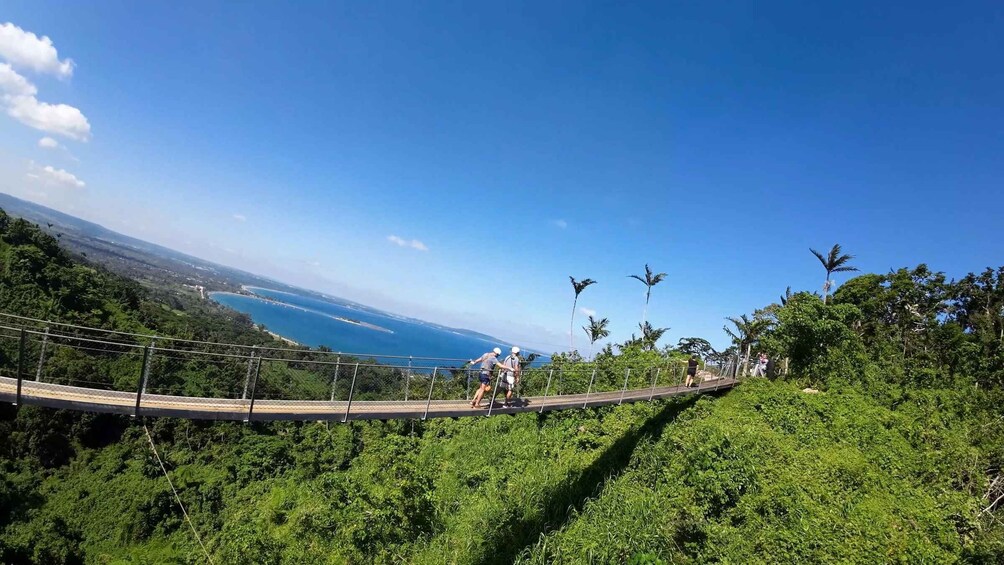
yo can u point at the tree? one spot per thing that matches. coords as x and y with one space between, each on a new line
578 286
649 336
649 281
695 346
747 331
833 263
596 330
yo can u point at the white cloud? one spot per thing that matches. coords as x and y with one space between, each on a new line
14 84
587 311
240 217
560 223
49 175
414 244
48 143
24 49
52 118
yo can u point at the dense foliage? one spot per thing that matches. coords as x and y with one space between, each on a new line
893 460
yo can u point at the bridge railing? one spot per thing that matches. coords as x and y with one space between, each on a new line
205 371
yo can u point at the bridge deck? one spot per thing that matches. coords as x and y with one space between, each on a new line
197 408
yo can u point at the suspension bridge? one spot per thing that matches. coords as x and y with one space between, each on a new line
65 366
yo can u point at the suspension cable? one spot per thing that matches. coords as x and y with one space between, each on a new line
176 497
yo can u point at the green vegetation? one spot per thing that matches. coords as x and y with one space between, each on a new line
894 459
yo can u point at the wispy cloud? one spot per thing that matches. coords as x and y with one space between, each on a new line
414 243
24 49
48 143
51 176
587 311
240 217
560 223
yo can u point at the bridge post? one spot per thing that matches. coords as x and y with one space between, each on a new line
495 392
334 381
467 391
142 379
247 376
407 380
623 390
352 388
546 389
146 377
431 385
41 356
254 388
590 389
654 381
20 365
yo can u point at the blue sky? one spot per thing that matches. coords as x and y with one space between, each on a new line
507 146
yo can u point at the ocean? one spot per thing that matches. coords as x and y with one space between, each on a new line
353 328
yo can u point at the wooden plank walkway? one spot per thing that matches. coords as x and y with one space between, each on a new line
197 408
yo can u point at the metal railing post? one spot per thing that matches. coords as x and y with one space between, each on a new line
431 385
20 365
334 381
254 388
495 393
590 388
146 377
407 380
247 376
352 389
654 381
623 390
467 392
543 399
41 356
142 379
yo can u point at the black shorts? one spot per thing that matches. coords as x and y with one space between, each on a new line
485 378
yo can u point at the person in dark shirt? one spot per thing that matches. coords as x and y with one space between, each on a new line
691 370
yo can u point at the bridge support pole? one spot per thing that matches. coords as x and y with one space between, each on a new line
467 391
21 346
146 377
590 389
247 376
495 392
654 381
352 389
623 390
334 381
254 387
429 401
41 356
407 380
142 379
547 388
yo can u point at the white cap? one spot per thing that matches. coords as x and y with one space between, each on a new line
497 351
515 349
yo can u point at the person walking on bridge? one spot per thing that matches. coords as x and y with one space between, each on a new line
510 375
488 362
691 370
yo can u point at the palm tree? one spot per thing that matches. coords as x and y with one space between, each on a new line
649 335
833 263
786 296
649 281
747 331
596 330
578 286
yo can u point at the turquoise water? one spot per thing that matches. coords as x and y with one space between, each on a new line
313 321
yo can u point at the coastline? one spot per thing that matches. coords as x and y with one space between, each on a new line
281 337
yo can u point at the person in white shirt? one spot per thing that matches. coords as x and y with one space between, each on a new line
510 374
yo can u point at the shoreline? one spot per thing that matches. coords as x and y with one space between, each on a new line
358 323
281 337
